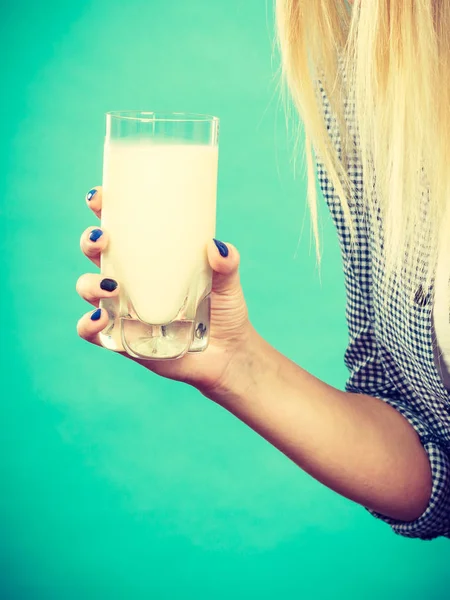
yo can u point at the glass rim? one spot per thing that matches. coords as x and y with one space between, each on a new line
182 117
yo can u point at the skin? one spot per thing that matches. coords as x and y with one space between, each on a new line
229 327
355 444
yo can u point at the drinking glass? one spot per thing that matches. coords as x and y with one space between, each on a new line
159 211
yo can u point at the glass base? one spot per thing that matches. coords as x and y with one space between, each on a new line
156 342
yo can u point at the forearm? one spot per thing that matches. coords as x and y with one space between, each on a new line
355 444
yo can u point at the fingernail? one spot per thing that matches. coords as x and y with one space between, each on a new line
109 285
95 235
223 249
90 195
95 316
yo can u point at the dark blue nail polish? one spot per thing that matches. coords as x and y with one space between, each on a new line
95 235
222 248
95 316
90 194
109 285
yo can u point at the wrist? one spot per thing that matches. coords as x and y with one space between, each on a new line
243 370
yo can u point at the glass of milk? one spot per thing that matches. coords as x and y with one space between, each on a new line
159 210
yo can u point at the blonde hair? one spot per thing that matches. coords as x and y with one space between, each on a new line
390 59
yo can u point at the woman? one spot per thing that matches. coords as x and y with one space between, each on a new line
370 84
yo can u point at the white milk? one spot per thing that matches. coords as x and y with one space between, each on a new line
159 209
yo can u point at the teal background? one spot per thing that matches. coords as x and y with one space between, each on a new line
116 483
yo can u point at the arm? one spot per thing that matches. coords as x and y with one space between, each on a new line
365 443
355 444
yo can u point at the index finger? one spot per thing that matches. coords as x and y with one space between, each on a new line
94 200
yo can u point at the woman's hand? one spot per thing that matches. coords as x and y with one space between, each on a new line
355 444
230 329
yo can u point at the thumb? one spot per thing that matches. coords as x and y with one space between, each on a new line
224 260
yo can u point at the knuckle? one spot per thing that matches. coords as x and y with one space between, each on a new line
80 328
79 284
91 251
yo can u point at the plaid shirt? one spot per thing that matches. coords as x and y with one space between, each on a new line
390 354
